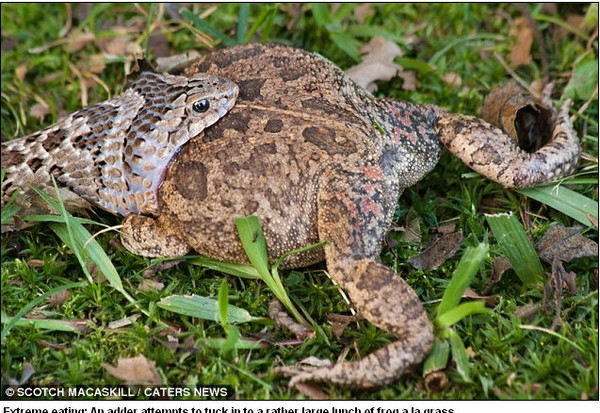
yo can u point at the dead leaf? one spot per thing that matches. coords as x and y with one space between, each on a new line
377 63
54 346
172 342
58 298
489 300
149 285
176 63
315 362
339 322
565 244
523 32
21 71
135 370
283 319
446 229
409 80
77 40
152 271
27 371
113 325
553 290
312 391
528 311
39 111
363 11
499 266
437 251
452 79
411 232
158 44
525 119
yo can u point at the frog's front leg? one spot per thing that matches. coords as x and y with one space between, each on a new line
492 153
354 212
151 237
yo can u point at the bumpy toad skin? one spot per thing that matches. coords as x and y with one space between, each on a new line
318 158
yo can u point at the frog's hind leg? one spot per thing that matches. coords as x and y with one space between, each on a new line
146 236
354 212
492 153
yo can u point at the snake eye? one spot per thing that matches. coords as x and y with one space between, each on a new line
201 106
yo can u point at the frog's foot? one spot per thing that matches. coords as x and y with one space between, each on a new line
387 300
494 154
145 236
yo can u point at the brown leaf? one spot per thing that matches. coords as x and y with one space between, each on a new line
553 290
39 111
158 44
58 298
523 32
113 325
149 285
452 79
27 371
528 311
377 64
526 120
565 244
499 266
312 391
489 300
77 40
437 251
55 346
152 271
363 11
411 233
172 342
135 370
409 80
339 322
21 71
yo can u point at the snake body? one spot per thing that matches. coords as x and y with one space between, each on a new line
114 154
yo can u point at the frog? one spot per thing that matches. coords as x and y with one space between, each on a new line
319 159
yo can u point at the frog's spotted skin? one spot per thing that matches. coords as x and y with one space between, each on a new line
114 154
316 157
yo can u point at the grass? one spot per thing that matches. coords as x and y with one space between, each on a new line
506 362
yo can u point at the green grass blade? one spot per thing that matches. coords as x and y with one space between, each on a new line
203 26
219 343
517 247
35 302
459 355
66 326
223 301
459 312
237 270
570 203
469 265
60 219
297 251
254 243
204 308
438 358
242 27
